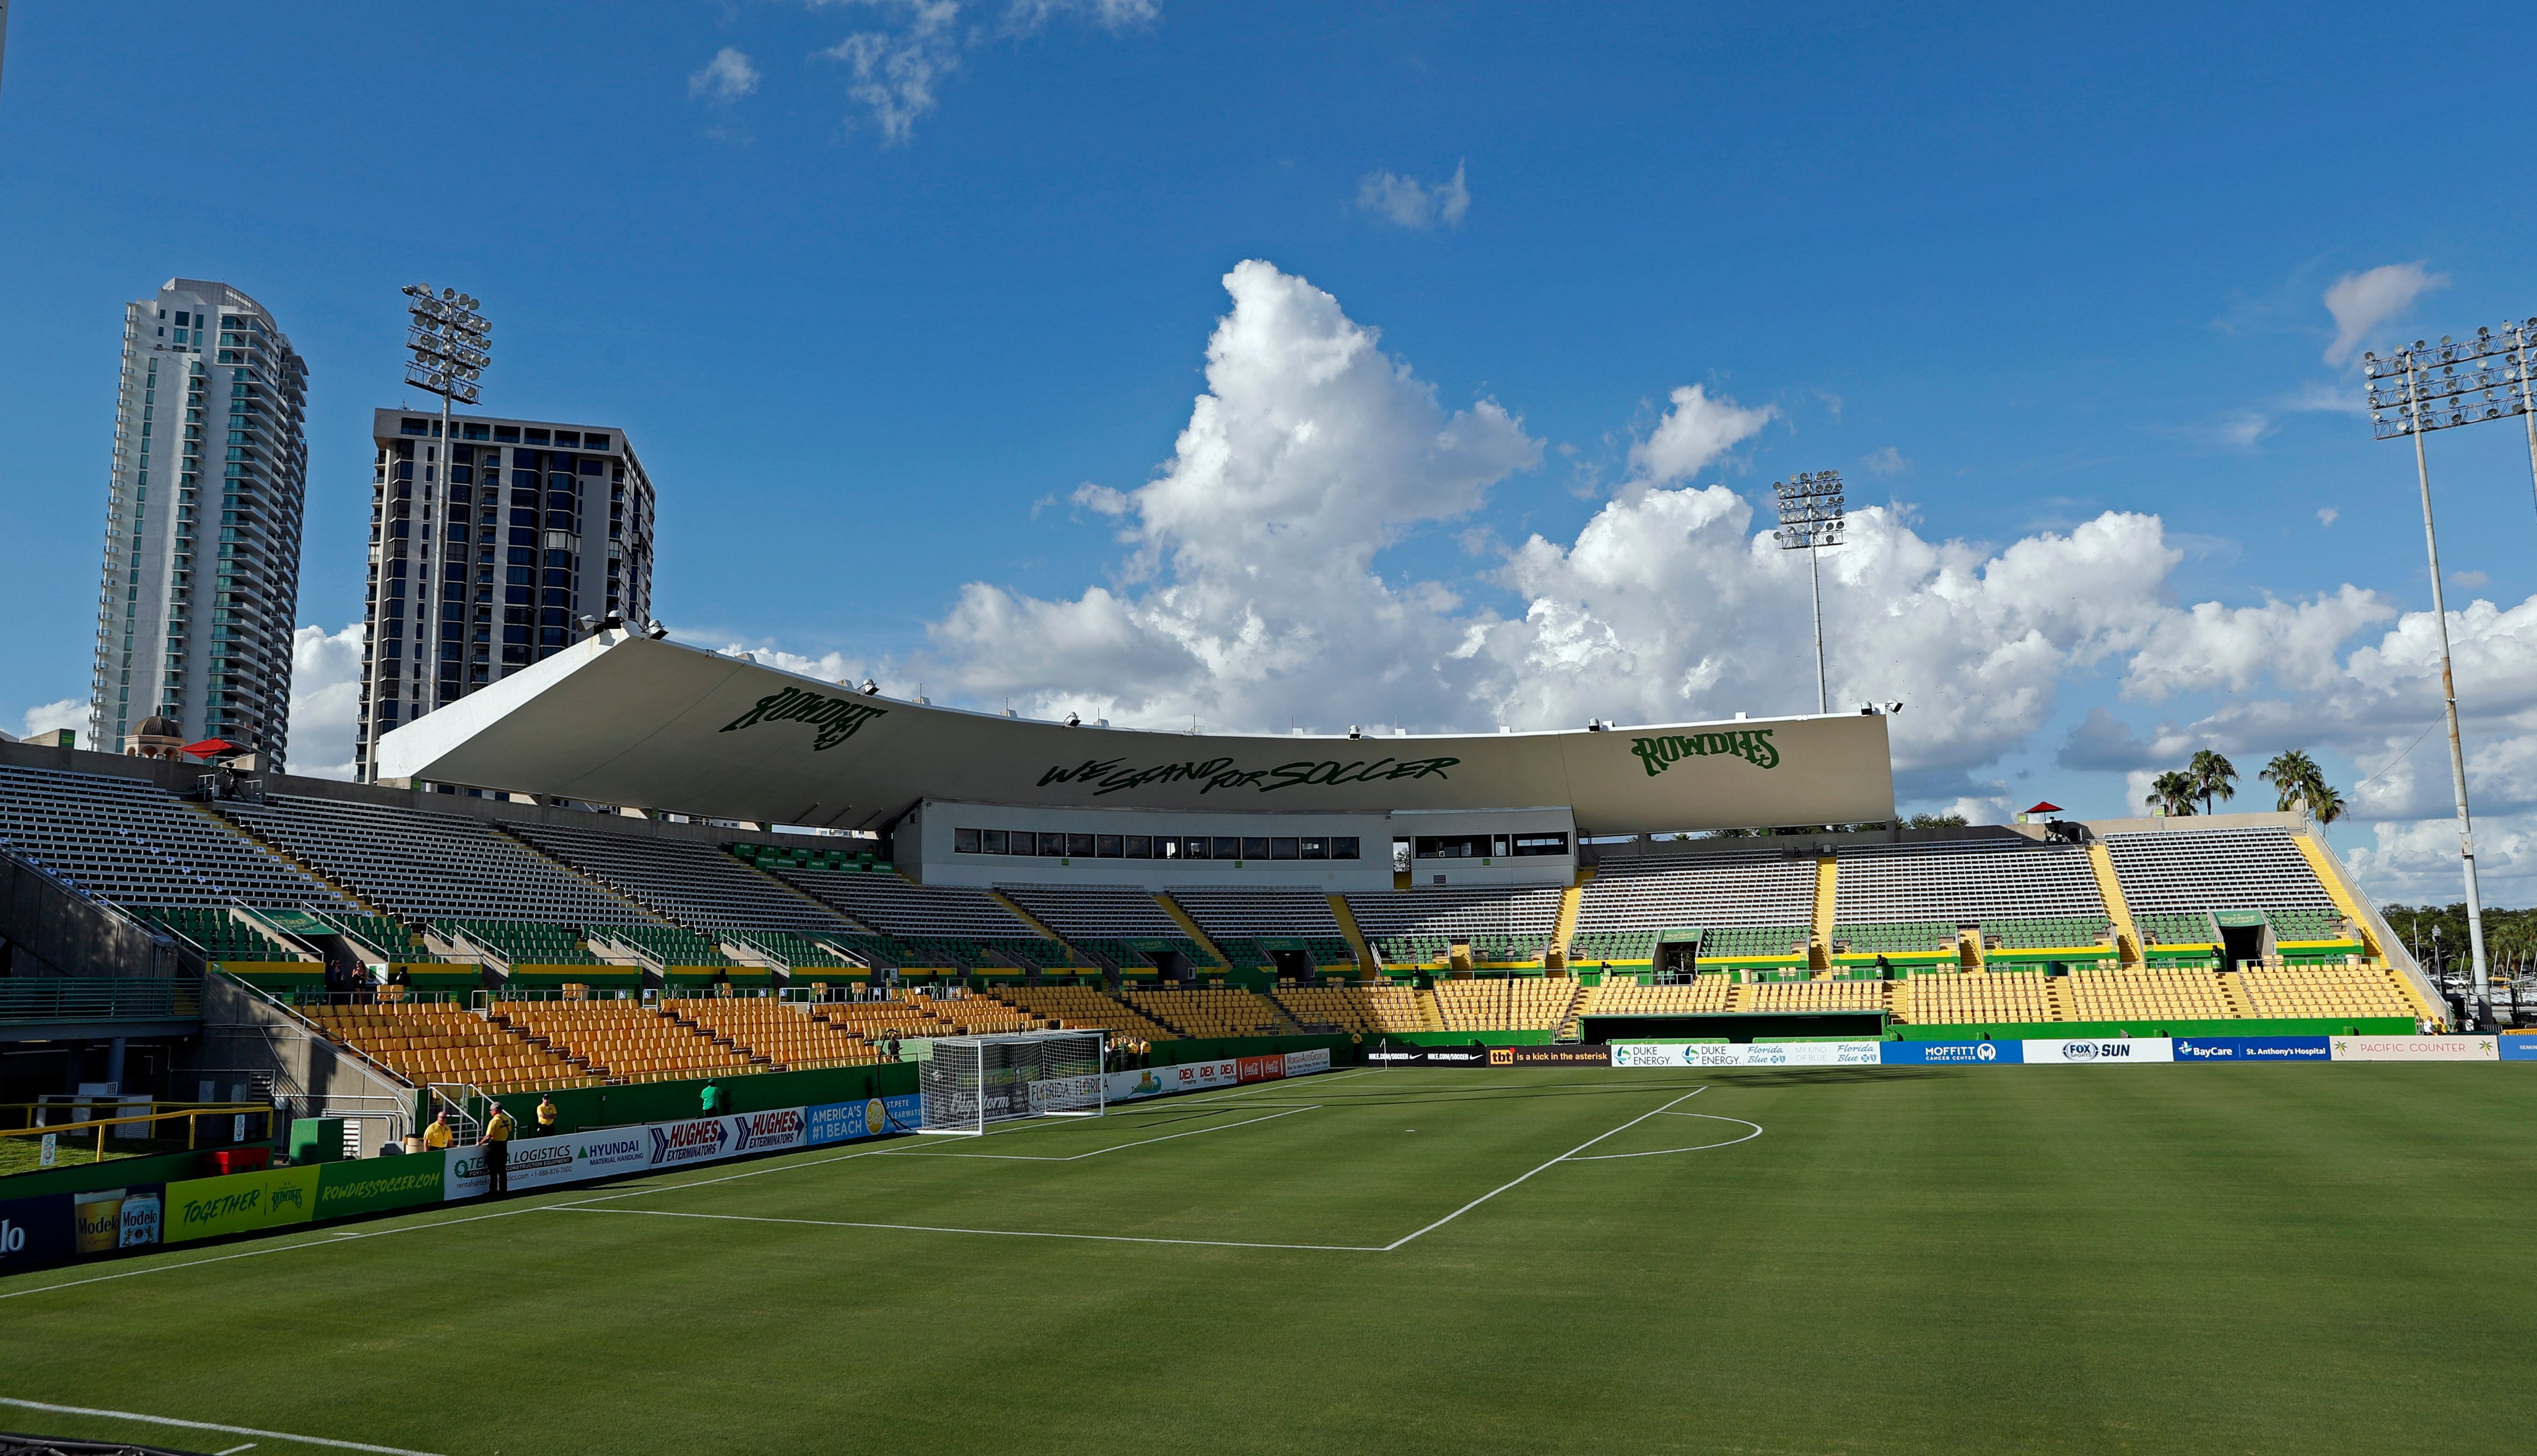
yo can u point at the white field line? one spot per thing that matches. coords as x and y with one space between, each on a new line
662 1212
1694 1147
271 1435
1553 1163
1113 1148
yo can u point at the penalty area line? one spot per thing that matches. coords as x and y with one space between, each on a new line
1553 1163
1113 1148
271 1435
664 1213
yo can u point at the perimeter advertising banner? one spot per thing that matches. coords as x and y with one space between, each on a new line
240 1203
2252 1049
1582 1055
2416 1048
847 1123
2120 1051
104 1220
543 1162
373 1185
35 1230
1745 1053
1951 1054
2518 1048
1194 1076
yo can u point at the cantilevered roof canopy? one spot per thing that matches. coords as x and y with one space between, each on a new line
625 719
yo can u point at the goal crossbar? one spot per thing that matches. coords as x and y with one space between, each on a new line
968 1084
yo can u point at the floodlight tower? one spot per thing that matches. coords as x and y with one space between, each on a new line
2418 391
1810 519
451 346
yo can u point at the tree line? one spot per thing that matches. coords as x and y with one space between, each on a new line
2297 784
2509 935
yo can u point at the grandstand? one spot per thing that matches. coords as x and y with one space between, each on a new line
1274 930
696 883
908 924
425 867
440 1045
132 842
1123 926
1419 927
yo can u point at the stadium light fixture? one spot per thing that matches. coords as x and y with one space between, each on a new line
2435 386
1812 518
450 345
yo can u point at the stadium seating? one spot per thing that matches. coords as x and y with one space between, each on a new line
785 1034
1702 996
1969 879
671 945
2255 868
2043 932
1750 942
1785 997
2162 992
1077 1007
425 1044
793 948
1419 926
426 865
2178 929
1909 937
385 938
690 881
1213 1012
1364 1010
1506 1004
131 843
1710 891
1252 926
1972 996
954 926
1616 947
520 943
1116 922
215 933
624 1041
2327 991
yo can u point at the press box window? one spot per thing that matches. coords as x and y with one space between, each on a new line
1109 847
964 842
1052 845
1541 843
1343 848
1224 847
1141 847
1285 849
1254 849
994 842
1451 845
1080 846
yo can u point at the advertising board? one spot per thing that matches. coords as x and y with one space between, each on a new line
2521 1047
1745 1053
1386 1055
694 1140
104 1220
240 1203
767 1132
1582 1055
1304 1063
1191 1076
371 1184
1127 1087
1950 1054
846 1122
2117 1051
1269 1069
2416 1048
35 1230
2252 1048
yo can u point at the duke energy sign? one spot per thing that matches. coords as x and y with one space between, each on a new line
630 720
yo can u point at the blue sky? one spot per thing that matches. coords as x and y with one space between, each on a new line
879 289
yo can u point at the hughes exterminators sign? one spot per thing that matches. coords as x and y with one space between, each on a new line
698 1141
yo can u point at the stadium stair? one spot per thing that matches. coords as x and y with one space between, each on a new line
1191 929
1347 918
275 848
1564 929
1038 926
640 913
1819 939
2127 941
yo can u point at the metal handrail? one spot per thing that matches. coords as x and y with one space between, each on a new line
34 998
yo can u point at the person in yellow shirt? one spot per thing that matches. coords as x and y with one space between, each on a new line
496 1143
438 1136
546 1117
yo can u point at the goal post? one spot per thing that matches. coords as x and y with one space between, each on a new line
968 1084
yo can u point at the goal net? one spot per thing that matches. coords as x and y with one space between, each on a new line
968 1084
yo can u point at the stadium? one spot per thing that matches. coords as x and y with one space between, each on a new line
1443 1089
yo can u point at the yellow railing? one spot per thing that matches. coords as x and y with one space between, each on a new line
191 1114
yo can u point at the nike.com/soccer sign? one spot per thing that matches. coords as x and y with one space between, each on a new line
630 720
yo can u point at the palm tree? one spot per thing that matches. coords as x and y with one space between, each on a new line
2291 772
2172 790
2213 776
2324 801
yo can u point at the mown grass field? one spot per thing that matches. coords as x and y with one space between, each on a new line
2296 1259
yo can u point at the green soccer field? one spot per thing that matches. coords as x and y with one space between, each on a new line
2015 1259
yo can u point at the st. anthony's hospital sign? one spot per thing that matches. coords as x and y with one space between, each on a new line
626 720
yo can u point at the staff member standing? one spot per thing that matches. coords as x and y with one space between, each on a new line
496 1143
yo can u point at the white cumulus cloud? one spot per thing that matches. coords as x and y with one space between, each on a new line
325 700
725 78
2361 301
50 718
1406 201
1695 431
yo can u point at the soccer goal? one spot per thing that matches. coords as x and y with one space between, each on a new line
969 1083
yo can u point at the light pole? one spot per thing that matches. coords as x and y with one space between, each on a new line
2417 391
450 345
1810 519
